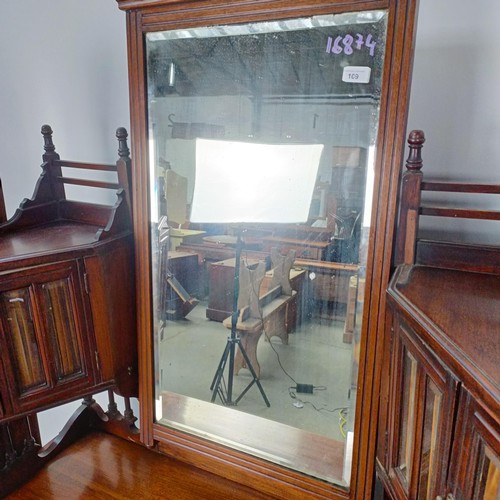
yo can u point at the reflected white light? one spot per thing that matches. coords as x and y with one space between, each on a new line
370 176
348 458
153 185
247 182
159 407
171 74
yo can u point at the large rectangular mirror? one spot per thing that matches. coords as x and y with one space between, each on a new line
262 141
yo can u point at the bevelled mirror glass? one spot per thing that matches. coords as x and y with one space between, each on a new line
261 164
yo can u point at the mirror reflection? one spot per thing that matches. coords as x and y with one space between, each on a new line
262 140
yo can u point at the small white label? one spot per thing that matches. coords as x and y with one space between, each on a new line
356 74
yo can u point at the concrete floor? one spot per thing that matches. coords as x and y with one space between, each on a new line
190 351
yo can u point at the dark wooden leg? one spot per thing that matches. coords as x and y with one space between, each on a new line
19 445
119 424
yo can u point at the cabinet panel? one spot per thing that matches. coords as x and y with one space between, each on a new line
475 463
4 399
428 453
422 402
488 483
407 412
21 339
42 331
61 328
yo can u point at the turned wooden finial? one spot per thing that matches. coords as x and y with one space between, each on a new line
123 150
48 145
416 140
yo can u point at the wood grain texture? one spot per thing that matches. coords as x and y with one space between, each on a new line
104 466
458 315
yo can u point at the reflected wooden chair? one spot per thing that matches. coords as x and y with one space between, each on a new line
345 241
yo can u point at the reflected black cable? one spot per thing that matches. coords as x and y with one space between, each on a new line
290 389
340 409
277 354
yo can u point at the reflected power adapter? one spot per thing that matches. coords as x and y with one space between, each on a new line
305 388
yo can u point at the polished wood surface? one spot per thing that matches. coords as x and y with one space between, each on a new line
250 470
463 315
448 321
44 241
104 466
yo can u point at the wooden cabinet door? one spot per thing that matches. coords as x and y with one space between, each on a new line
421 409
475 457
44 334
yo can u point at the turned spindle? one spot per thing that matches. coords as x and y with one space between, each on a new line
416 140
121 135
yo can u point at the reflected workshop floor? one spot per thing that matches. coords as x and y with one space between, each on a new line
190 351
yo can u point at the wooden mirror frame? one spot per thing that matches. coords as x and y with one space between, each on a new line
154 15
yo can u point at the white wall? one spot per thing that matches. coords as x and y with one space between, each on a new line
455 85
64 62
454 99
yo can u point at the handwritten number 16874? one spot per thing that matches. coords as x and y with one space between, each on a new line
346 44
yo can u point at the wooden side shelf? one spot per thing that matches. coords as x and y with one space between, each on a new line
440 426
67 303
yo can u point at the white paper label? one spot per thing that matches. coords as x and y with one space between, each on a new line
356 74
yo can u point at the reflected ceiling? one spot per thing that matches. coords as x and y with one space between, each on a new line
269 64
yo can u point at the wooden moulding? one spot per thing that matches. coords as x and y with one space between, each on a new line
263 476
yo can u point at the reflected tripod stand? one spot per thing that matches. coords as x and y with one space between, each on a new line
233 341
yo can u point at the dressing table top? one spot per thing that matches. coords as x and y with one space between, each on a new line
457 313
